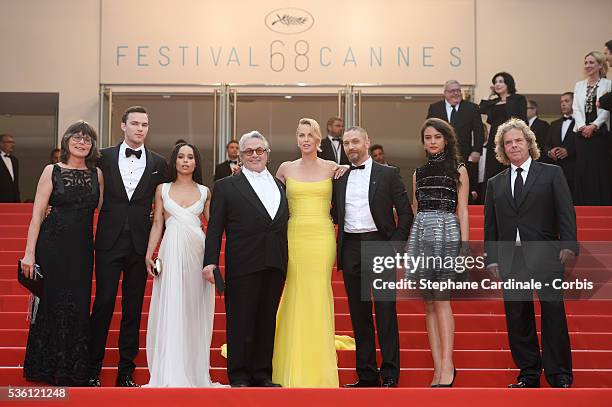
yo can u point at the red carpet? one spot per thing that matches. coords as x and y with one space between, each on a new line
482 356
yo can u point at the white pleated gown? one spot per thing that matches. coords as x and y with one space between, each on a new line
180 327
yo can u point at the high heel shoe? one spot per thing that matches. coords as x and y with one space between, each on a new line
451 383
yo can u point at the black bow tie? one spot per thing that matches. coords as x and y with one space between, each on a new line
232 162
129 152
357 167
336 139
567 118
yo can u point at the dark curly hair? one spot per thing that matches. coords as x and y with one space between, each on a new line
197 172
453 158
508 80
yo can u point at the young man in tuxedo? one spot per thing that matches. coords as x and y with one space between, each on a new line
362 205
251 208
229 166
331 146
465 118
9 170
561 147
530 233
539 127
131 174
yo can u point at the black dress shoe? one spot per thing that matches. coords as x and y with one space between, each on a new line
240 384
449 384
563 382
126 381
265 383
94 382
389 382
363 383
523 384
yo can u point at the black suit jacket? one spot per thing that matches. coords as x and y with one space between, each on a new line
254 242
117 209
605 102
540 129
385 192
222 170
9 189
327 152
568 164
467 123
544 216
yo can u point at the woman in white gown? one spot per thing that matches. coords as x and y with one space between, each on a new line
179 331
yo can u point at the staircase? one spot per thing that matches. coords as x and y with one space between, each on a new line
481 347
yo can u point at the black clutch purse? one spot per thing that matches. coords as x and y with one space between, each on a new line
34 285
219 283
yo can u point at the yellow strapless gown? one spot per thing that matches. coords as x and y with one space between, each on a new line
304 348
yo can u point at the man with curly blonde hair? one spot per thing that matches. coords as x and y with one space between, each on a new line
530 233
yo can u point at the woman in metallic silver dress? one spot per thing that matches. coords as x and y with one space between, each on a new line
440 198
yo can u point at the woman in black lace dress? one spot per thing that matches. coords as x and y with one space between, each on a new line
62 245
440 198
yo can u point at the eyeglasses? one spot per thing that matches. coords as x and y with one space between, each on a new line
80 137
258 151
453 90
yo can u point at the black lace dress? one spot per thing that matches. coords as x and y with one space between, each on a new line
57 350
435 237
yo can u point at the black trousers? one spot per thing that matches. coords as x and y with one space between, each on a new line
358 289
109 266
556 354
251 303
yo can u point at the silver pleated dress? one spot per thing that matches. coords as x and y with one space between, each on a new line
435 237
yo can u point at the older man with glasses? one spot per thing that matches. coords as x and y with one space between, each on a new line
251 208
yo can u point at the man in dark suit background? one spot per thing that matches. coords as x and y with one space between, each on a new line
537 125
331 146
131 175
9 170
530 233
561 147
229 166
465 118
251 208
362 206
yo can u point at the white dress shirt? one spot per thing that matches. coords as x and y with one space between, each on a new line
9 164
357 217
449 109
266 189
336 145
525 166
131 168
564 128
532 120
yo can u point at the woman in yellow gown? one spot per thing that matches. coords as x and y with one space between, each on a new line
304 347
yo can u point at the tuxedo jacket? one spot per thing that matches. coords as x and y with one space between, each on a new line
253 241
568 164
385 192
9 189
327 152
117 209
222 170
605 102
603 115
540 129
467 124
544 216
